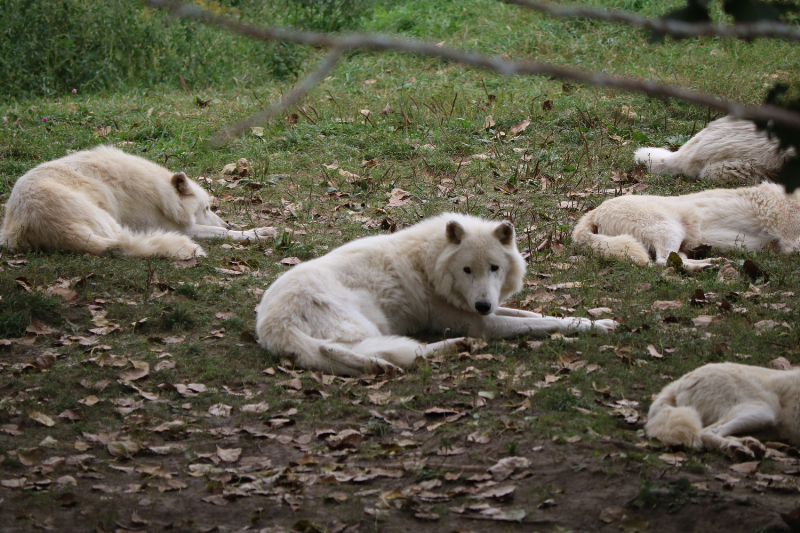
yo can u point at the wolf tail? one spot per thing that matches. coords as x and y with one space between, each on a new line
658 160
155 243
674 425
620 246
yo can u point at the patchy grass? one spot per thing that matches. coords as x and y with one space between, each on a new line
145 351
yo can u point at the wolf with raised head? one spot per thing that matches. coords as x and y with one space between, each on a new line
709 406
728 149
345 312
104 199
633 226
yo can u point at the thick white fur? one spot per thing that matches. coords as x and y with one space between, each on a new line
631 227
708 406
728 148
101 199
343 312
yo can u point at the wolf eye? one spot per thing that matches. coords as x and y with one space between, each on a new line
467 270
494 268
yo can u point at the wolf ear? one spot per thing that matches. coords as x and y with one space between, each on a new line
455 232
181 184
505 232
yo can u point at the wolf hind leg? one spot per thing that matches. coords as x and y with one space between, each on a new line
667 239
346 361
388 353
396 350
449 346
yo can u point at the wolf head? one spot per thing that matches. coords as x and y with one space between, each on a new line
196 201
480 265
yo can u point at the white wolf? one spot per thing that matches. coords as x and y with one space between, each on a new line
630 227
342 313
101 199
728 148
707 406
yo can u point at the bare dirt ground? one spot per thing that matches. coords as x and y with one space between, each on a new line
272 477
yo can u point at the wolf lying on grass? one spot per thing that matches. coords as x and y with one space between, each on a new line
342 313
708 406
102 199
727 149
630 227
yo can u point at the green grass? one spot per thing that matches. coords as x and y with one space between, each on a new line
568 148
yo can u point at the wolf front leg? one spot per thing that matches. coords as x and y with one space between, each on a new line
507 311
513 326
215 232
508 322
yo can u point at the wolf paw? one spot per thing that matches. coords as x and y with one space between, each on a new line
187 252
381 366
468 344
260 233
605 325
744 448
755 446
697 264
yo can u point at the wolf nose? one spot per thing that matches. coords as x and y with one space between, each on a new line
483 307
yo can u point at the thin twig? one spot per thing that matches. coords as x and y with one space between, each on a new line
505 68
288 100
672 27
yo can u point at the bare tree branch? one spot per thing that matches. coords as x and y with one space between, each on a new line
288 100
671 27
505 68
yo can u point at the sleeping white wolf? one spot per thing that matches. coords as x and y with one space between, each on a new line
102 199
343 312
707 407
727 149
630 227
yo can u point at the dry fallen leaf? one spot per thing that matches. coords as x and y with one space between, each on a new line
727 274
89 400
229 455
765 325
745 468
259 407
702 321
653 352
507 466
502 493
123 448
398 197
348 438
133 375
290 261
519 127
29 456
674 459
220 409
41 418
38 328
664 305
